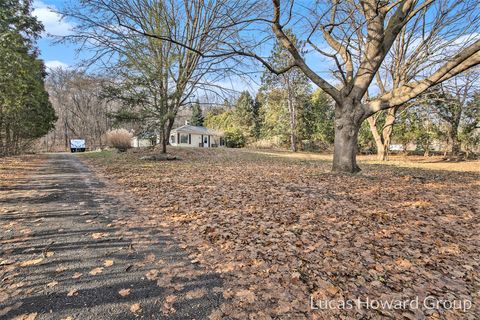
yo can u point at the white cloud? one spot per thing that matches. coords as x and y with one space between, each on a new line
51 20
54 64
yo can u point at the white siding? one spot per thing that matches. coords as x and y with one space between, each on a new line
195 140
141 143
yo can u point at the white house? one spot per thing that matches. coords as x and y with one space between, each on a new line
194 136
143 140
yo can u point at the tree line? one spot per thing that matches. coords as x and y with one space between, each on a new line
386 59
382 54
438 121
25 110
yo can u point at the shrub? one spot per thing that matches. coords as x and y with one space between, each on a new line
119 139
235 139
274 142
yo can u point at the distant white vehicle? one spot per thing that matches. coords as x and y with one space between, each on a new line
77 145
396 147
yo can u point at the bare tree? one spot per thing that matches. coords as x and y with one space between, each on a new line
357 36
452 103
420 46
81 110
360 35
155 47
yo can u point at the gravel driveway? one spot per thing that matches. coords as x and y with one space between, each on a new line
68 251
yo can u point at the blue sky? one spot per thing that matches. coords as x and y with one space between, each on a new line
64 55
53 54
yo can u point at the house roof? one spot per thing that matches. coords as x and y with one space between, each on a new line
198 130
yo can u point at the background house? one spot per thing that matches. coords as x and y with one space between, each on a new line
144 140
195 136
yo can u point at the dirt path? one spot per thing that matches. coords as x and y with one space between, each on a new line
68 251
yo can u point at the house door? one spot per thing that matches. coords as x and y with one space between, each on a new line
205 141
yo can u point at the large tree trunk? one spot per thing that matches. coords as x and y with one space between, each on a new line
454 140
166 134
347 126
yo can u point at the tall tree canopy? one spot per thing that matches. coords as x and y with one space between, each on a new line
431 41
197 115
155 48
25 111
294 85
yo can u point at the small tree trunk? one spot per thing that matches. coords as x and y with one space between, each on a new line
8 140
293 126
377 137
383 141
346 136
387 133
293 116
65 133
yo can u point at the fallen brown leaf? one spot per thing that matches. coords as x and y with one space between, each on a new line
124 292
99 235
195 294
72 292
96 271
135 308
31 262
60 269
152 274
108 263
246 295
30 316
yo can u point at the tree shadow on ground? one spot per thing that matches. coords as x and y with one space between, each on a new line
68 250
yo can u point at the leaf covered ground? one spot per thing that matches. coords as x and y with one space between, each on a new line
283 231
69 250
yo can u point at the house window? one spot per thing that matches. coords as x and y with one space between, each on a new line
184 138
172 138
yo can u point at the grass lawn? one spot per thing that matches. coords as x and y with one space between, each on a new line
283 230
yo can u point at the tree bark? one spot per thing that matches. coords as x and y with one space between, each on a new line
387 134
165 134
454 140
372 121
293 116
164 143
347 125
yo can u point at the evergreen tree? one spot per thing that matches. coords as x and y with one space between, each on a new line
25 111
317 119
197 118
294 85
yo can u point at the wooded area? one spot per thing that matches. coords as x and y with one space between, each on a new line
401 73
224 141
